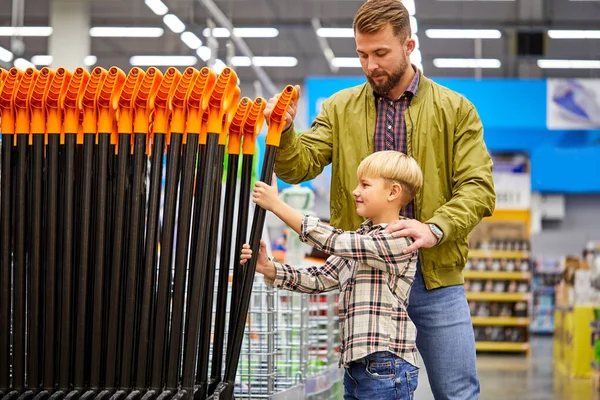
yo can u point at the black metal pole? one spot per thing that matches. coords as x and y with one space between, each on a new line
136 235
166 254
207 307
181 257
225 258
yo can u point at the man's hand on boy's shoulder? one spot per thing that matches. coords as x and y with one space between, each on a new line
421 233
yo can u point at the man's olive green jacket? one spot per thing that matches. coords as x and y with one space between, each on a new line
444 135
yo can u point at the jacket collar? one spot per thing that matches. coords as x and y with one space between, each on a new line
424 86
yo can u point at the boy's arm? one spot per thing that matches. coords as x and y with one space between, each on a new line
381 251
306 280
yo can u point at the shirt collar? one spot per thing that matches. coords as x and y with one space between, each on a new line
413 86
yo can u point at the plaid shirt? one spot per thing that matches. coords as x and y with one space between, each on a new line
390 126
374 279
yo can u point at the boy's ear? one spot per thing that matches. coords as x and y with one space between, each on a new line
395 191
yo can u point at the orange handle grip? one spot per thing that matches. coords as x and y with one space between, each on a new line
201 89
37 101
228 116
235 125
7 96
71 100
22 98
178 103
107 99
253 124
221 99
277 118
126 100
144 100
56 91
162 100
89 101
3 74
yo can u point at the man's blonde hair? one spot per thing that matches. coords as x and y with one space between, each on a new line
394 166
375 15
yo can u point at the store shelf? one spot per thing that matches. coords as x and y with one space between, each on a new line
497 275
487 296
500 321
507 254
501 346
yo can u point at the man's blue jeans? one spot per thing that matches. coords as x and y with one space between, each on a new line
380 376
445 339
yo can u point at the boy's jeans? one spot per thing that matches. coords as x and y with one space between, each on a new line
445 339
380 376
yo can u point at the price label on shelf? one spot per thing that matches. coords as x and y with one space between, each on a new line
513 191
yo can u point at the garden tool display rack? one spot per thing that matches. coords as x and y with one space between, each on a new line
107 275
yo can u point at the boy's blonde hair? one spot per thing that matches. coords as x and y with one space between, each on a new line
394 166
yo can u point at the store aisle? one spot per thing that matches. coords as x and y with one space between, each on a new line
517 377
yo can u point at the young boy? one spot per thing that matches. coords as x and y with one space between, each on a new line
370 269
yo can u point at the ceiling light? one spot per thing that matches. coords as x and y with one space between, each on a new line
176 61
42 60
240 61
335 32
566 34
26 31
5 55
157 7
204 53
463 33
125 31
346 62
90 60
191 40
569 64
467 63
241 32
414 27
218 66
410 6
23 64
174 23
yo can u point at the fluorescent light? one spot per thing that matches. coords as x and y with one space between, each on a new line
335 32
191 40
42 60
26 31
240 61
463 33
90 60
256 32
157 7
218 66
410 6
414 27
5 55
346 62
415 57
566 34
176 61
569 64
204 53
467 63
241 32
174 23
23 64
125 31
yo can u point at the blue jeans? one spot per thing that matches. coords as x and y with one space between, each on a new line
445 339
380 376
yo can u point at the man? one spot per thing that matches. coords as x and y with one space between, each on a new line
400 109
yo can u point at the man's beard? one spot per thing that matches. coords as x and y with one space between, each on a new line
391 81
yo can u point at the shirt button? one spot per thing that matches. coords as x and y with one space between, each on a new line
390 127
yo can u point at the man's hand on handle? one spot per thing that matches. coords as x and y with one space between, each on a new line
420 232
291 111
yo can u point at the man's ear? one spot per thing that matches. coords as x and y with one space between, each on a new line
395 191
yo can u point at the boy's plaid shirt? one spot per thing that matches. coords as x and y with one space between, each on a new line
374 278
